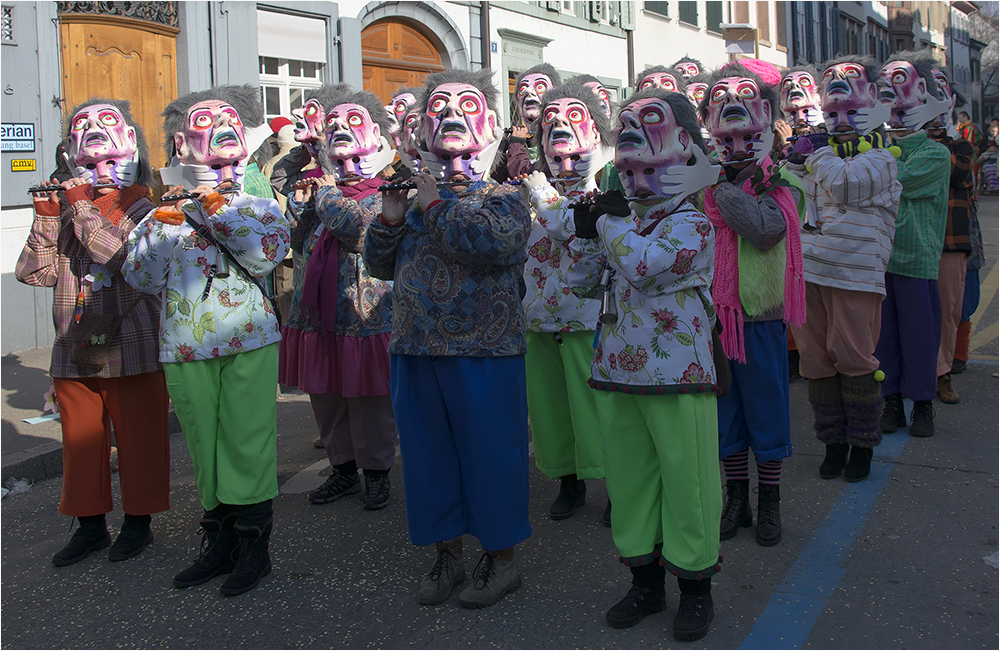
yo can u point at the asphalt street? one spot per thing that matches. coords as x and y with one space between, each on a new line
906 559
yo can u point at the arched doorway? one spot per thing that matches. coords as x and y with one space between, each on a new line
395 55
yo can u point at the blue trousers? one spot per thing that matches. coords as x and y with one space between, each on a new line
908 345
754 415
463 434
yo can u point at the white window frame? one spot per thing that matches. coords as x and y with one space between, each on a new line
286 83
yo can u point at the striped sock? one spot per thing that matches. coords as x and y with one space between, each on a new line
769 472
737 467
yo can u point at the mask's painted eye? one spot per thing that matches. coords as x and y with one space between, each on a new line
437 105
355 119
550 115
806 82
603 94
203 120
576 115
786 85
828 75
410 120
469 105
331 119
699 94
234 118
522 90
852 72
399 107
79 122
718 93
898 77
311 110
669 83
748 92
541 87
652 117
646 83
109 119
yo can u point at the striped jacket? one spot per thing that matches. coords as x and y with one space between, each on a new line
60 252
852 202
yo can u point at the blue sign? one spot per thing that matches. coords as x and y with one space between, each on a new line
493 46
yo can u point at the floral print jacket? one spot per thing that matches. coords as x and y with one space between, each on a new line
458 269
364 304
662 341
563 272
204 316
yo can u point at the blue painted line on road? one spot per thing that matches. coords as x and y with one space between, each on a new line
798 602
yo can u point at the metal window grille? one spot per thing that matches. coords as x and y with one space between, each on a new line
8 24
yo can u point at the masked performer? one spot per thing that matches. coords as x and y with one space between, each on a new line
800 100
653 367
689 68
458 343
562 275
696 88
334 345
660 77
758 289
957 240
116 376
310 125
409 148
850 182
911 312
516 156
219 333
607 179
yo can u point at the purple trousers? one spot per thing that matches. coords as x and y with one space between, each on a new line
911 335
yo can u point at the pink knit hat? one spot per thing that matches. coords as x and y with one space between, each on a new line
767 72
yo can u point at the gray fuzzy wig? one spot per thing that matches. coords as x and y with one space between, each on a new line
329 95
245 99
807 68
584 79
769 93
370 102
687 59
589 99
412 90
924 64
481 79
679 104
541 69
145 176
681 84
866 62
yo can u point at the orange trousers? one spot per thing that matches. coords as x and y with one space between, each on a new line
137 406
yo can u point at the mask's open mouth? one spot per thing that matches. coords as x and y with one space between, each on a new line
95 139
838 87
342 138
735 114
561 137
530 103
796 94
225 139
453 129
631 139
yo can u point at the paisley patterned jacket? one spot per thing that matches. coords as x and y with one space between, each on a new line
457 269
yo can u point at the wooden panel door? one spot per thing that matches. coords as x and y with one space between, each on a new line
125 59
395 55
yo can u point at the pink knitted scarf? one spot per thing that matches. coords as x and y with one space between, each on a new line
726 281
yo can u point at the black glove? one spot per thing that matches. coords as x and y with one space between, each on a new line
585 218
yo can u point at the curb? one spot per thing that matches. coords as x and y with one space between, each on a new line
34 464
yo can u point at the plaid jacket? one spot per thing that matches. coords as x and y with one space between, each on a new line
60 252
963 179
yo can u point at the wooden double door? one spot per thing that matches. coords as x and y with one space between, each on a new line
396 55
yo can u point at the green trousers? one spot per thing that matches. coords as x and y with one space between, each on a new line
661 456
228 410
561 409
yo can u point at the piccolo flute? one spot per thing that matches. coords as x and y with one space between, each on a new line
42 189
194 195
563 179
413 186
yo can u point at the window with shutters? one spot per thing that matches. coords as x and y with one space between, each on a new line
763 22
713 17
658 8
742 10
688 13
780 27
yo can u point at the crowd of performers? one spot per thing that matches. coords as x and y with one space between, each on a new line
622 279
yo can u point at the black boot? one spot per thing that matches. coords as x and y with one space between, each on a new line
737 512
134 537
572 494
893 414
695 611
217 545
253 563
922 418
768 515
834 461
859 465
646 597
607 514
91 535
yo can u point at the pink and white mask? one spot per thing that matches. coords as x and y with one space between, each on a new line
602 94
688 69
459 131
569 136
396 109
944 92
213 137
800 99
529 96
849 101
408 150
739 120
648 141
659 80
310 124
354 142
695 92
904 92
103 146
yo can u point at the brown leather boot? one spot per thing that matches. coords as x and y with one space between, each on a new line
945 391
